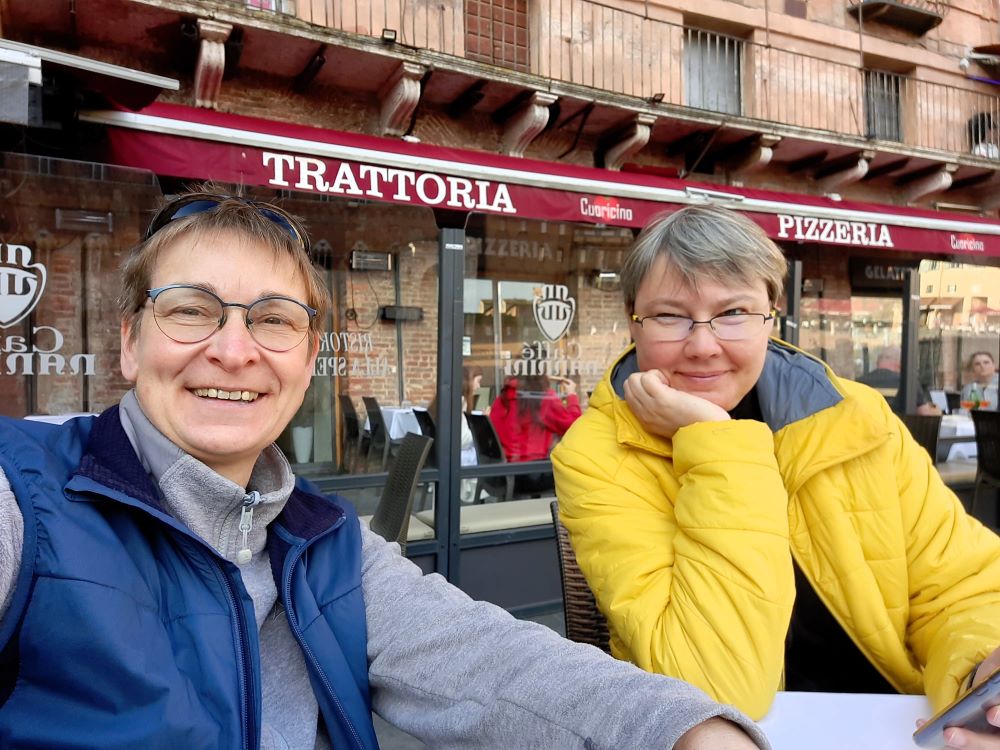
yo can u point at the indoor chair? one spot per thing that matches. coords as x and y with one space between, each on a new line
925 431
489 451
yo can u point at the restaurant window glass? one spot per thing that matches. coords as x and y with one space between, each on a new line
542 307
377 363
65 227
849 314
956 325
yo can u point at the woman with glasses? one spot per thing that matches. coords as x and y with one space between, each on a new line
167 582
981 391
750 522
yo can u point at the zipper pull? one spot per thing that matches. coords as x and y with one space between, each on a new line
246 525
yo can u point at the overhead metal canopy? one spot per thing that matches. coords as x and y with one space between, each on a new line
21 66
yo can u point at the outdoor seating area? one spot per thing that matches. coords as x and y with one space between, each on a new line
966 448
380 442
385 439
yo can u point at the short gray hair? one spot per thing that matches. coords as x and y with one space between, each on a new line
705 242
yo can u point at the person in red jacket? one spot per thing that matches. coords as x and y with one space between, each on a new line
527 416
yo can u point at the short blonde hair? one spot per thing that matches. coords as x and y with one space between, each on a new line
705 242
233 214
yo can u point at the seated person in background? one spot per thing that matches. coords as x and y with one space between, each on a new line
167 582
885 379
528 415
472 378
984 382
472 381
749 521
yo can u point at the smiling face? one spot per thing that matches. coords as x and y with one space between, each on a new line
983 368
722 372
179 385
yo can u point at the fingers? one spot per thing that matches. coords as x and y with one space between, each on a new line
963 738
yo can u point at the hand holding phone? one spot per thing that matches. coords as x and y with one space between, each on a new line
967 712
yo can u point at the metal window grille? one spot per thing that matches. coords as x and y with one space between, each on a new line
713 71
883 117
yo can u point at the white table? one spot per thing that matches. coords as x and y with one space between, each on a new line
954 426
844 721
399 420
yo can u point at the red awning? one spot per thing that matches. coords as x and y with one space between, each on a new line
203 144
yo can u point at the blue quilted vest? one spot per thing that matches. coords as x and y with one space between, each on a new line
127 631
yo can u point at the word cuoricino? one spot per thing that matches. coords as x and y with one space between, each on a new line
387 183
967 242
833 231
605 209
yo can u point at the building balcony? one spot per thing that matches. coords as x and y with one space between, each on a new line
715 103
915 16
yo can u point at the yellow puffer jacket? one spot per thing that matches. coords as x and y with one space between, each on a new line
688 543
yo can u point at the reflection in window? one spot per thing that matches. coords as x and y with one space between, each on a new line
535 304
378 348
955 326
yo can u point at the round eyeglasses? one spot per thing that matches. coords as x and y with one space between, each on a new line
727 327
189 314
199 203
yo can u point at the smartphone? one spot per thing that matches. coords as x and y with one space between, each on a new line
967 712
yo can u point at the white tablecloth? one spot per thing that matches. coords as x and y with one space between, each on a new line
399 419
959 425
844 721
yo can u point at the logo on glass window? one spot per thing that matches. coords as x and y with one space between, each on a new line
21 284
554 310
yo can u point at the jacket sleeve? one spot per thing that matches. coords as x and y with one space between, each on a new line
458 673
558 416
688 557
953 565
11 540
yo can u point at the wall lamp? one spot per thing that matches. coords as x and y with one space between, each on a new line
605 281
389 36
655 98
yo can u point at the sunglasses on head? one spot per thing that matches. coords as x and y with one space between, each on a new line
199 203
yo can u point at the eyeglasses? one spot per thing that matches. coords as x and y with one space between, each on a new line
199 203
189 314
727 327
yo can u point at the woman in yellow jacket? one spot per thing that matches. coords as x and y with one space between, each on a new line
747 520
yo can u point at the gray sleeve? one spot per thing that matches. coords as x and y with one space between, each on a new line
458 673
11 542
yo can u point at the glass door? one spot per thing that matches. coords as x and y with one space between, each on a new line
876 336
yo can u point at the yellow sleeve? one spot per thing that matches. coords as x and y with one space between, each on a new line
954 577
687 556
